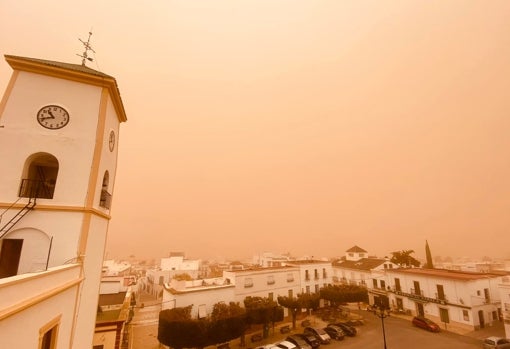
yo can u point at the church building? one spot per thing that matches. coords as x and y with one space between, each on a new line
59 126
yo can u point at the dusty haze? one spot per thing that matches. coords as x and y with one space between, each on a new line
296 126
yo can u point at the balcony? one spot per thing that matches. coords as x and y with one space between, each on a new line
106 199
416 292
19 291
441 297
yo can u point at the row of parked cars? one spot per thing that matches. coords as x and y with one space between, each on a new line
313 337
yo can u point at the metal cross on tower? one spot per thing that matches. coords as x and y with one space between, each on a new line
85 56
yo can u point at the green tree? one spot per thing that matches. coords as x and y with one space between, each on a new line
404 259
262 311
310 301
177 330
428 254
294 306
337 294
226 323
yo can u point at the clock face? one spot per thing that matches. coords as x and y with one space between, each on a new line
111 141
53 117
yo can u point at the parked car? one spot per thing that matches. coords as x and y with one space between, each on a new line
268 346
334 332
286 345
348 330
496 343
319 333
355 322
425 323
299 342
310 339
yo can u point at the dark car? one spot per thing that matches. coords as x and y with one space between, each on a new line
348 330
334 332
298 342
310 339
425 323
355 322
319 333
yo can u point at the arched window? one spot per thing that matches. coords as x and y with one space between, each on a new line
106 197
39 176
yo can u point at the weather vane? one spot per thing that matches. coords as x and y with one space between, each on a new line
85 56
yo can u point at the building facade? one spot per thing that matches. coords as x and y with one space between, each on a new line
461 299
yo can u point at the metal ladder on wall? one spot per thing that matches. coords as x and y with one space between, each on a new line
17 217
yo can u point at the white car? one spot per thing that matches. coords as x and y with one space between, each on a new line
496 343
286 345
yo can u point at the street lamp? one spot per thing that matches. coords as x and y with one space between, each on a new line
382 312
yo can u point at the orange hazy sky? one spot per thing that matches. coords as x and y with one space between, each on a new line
296 126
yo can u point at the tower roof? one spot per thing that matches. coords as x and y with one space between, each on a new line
73 72
356 249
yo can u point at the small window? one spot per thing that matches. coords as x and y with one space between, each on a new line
48 334
270 280
290 277
248 282
465 315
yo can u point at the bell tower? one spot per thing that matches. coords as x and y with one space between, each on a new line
59 126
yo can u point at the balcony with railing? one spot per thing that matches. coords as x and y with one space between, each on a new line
21 291
416 292
441 297
106 199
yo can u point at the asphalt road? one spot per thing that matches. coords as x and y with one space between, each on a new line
401 334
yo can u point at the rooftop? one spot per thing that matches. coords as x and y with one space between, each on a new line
362 264
356 248
450 274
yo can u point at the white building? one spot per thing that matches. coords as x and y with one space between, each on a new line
504 294
264 282
177 264
357 268
313 274
269 259
169 267
201 294
59 126
464 300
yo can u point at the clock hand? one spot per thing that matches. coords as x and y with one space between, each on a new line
52 116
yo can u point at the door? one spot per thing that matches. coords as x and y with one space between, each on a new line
481 319
400 304
419 309
10 253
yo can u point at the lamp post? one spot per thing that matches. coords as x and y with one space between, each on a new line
382 312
